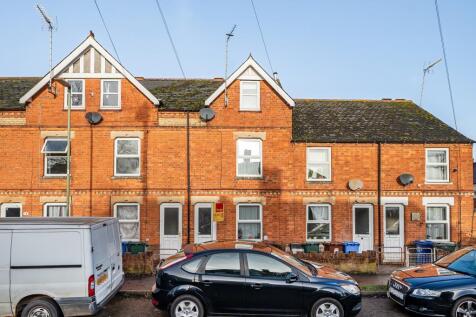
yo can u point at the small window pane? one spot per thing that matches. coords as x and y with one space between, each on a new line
362 225
249 166
55 146
249 87
249 213
12 212
127 166
249 102
249 148
76 85
318 156
437 231
318 213
111 86
320 231
56 211
204 221
436 214
56 165
127 212
437 156
318 171
129 231
265 266
192 266
127 147
223 264
110 100
435 173
171 221
392 220
249 231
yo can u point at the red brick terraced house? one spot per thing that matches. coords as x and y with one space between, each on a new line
379 172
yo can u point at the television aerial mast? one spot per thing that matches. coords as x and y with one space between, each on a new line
229 35
51 27
426 70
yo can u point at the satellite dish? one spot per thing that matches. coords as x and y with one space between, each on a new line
207 114
356 184
93 117
406 179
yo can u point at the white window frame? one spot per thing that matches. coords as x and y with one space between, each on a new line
129 221
447 221
260 221
447 164
45 157
4 206
116 156
83 106
260 154
119 89
45 207
319 221
243 107
308 163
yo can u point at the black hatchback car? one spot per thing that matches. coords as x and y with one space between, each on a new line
241 278
444 288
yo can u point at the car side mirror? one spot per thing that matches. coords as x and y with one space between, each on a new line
291 278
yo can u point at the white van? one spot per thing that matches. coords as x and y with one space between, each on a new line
51 267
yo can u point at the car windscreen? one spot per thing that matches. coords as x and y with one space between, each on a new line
450 258
465 262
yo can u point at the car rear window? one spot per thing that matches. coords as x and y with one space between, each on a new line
226 263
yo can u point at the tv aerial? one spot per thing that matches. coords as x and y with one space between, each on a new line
51 27
229 35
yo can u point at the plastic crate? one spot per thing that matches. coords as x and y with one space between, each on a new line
350 246
311 247
136 247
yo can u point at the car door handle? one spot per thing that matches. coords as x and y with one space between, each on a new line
207 283
256 286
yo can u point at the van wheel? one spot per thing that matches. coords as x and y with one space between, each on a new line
327 307
187 306
40 308
464 307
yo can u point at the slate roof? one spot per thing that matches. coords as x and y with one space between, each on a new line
178 94
12 88
369 121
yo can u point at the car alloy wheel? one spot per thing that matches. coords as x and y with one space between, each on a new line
187 308
327 310
466 308
39 312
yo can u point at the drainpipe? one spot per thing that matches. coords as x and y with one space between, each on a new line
188 176
379 192
68 156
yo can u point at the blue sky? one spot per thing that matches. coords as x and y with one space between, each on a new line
321 49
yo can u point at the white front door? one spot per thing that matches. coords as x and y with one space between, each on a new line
363 231
10 210
170 229
205 227
393 241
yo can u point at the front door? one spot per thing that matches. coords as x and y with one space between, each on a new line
363 226
393 234
170 229
205 227
10 210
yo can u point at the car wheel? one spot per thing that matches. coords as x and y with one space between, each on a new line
327 307
187 306
463 307
40 308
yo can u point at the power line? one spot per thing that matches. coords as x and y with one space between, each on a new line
262 36
107 30
170 38
446 63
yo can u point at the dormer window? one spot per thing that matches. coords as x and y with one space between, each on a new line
249 96
111 94
77 94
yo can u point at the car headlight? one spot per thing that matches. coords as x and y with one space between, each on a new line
351 288
426 292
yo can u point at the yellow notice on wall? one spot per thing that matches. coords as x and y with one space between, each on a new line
218 212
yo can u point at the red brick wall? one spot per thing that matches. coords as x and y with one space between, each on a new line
213 164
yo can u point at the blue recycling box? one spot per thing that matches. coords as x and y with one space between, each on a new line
350 246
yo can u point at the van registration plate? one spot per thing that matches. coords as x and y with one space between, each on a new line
102 278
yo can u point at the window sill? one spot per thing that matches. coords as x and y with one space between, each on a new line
249 178
246 110
75 109
438 183
54 177
319 182
110 109
126 177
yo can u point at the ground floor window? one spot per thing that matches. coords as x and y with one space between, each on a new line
437 222
249 219
129 220
318 223
10 210
55 210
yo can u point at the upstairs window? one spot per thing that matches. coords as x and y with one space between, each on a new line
249 96
55 210
248 160
129 220
76 97
111 94
437 166
318 164
127 157
55 151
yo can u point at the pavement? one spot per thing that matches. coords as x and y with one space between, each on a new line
122 306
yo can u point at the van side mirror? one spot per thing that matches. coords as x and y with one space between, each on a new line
291 278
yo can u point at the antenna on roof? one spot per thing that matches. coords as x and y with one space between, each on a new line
51 27
426 70
229 35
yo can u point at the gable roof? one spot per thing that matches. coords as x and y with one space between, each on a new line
90 41
12 88
179 94
369 121
250 62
